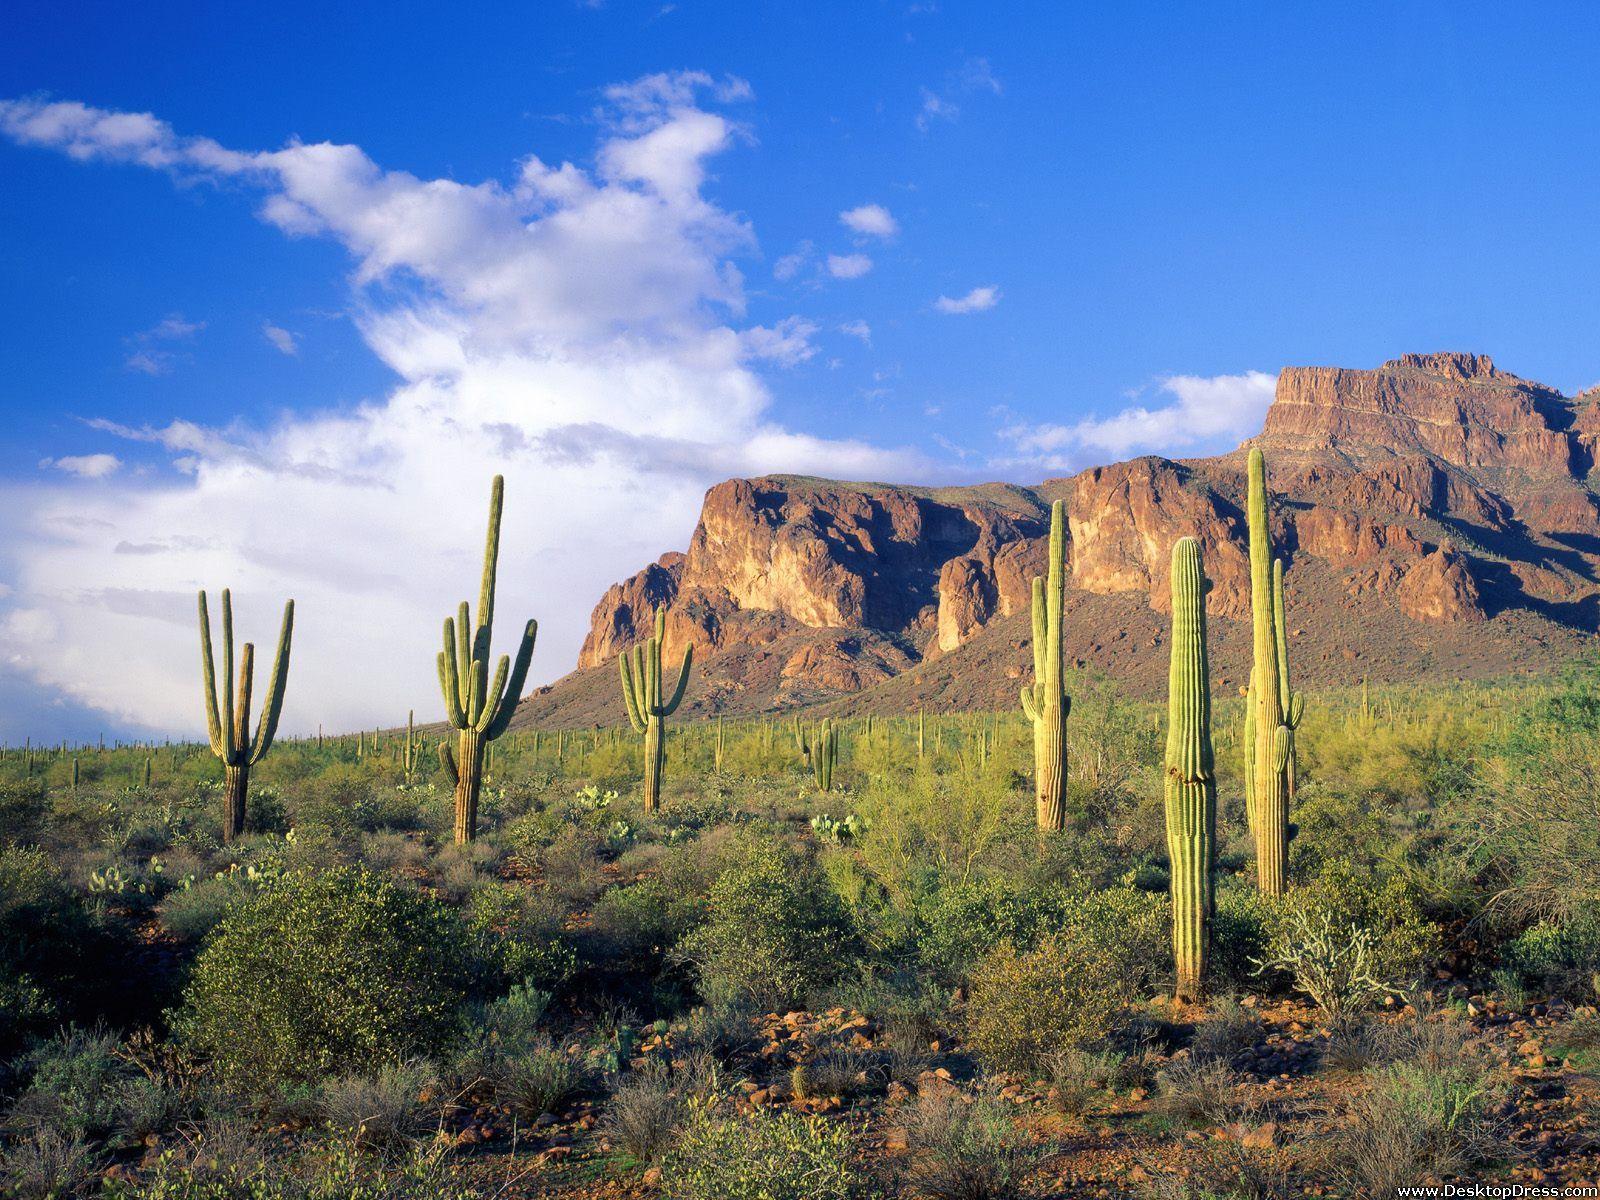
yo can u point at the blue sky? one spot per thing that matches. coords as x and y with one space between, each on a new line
281 287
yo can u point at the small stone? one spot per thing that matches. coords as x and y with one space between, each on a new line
651 1178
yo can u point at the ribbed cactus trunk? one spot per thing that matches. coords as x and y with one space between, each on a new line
1191 789
469 783
1270 751
235 787
655 761
1046 703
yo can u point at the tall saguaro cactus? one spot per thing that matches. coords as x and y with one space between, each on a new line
228 720
825 754
648 707
1046 702
480 709
1191 787
1292 703
1269 797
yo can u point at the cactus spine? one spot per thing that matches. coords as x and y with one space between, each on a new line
1292 703
1270 749
478 708
648 710
229 728
1046 702
825 755
1191 789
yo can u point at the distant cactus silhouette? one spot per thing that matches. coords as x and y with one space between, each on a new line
480 709
648 709
229 728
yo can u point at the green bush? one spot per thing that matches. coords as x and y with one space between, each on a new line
324 973
959 921
517 938
774 931
189 914
1559 956
1388 913
1025 1004
781 1156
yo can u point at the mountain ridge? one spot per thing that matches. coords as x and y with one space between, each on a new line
1435 514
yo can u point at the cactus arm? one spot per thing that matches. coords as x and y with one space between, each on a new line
1040 628
492 696
491 560
519 678
447 763
449 681
272 705
229 745
1029 708
683 682
1055 591
241 711
1281 630
463 655
208 681
629 692
652 693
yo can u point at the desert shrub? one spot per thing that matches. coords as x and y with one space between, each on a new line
23 808
324 973
636 924
1023 1004
645 1113
839 1070
1240 932
1228 1030
46 1164
1336 966
763 1156
1081 1079
966 1148
516 937
1419 1119
957 922
56 961
193 912
724 1031
76 1082
383 1109
773 932
332 1170
1196 1093
539 1079
1560 956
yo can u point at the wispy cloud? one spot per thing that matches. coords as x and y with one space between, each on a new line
857 329
1204 414
150 349
977 300
848 266
871 220
974 77
791 264
282 340
84 466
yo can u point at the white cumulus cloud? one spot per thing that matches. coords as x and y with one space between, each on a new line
978 299
871 220
848 266
577 327
281 339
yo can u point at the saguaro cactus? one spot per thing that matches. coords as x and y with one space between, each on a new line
824 754
1269 799
478 708
1292 703
647 709
1046 702
1191 788
229 728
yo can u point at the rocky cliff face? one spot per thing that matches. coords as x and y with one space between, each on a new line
1434 495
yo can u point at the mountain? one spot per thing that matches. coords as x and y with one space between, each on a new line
1436 516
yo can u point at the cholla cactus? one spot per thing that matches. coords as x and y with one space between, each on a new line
480 709
229 728
824 755
1191 788
1268 797
1046 702
648 707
